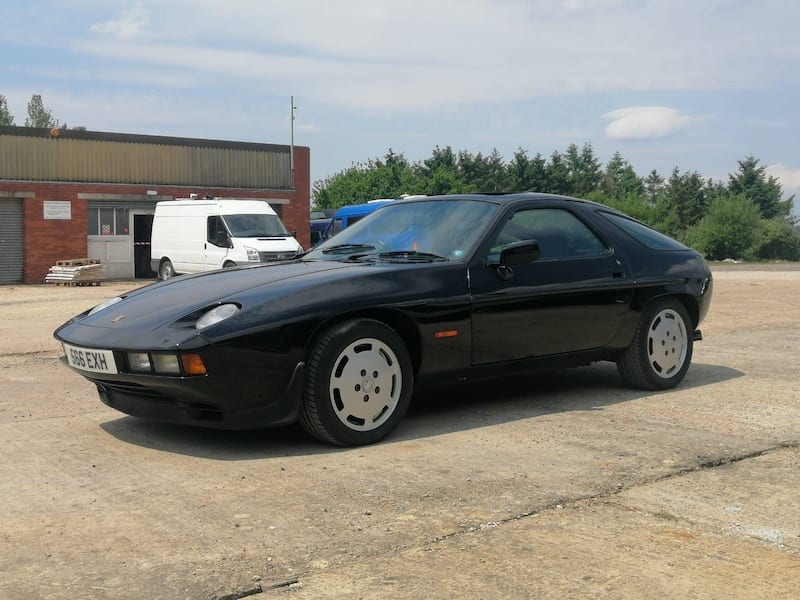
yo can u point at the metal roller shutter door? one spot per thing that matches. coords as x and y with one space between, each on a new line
11 242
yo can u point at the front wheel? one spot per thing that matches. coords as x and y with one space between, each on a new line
359 381
661 350
166 271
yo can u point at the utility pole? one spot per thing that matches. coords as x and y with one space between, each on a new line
291 144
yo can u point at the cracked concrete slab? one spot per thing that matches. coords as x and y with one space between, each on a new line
462 499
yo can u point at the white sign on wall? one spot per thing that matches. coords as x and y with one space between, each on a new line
58 209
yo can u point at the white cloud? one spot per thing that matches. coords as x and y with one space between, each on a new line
645 122
411 56
130 24
480 73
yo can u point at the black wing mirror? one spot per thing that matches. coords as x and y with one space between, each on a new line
518 253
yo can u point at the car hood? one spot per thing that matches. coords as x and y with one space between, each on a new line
154 306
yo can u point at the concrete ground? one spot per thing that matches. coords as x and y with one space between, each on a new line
560 485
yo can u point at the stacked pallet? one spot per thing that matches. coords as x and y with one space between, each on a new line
76 271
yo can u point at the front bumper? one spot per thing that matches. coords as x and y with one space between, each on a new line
176 400
244 388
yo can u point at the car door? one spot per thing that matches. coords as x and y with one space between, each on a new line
217 244
572 298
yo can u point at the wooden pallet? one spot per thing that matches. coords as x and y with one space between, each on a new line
90 274
72 283
77 262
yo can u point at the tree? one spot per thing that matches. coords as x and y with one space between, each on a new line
683 202
39 115
620 180
728 229
585 173
776 239
387 178
557 175
494 174
441 158
654 183
442 181
701 213
6 118
751 181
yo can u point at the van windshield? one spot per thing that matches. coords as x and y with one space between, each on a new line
255 225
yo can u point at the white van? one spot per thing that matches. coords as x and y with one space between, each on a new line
193 235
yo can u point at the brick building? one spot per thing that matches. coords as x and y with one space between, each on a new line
70 194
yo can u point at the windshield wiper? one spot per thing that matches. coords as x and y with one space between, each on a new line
411 256
345 248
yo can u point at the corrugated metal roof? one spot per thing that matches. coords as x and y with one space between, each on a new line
36 154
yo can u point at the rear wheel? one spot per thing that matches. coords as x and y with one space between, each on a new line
359 381
166 270
661 351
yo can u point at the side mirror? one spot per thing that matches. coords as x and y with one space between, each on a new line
223 240
518 253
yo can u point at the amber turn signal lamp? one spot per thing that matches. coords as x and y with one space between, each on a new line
193 364
446 333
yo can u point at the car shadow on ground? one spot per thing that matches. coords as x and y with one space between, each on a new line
433 412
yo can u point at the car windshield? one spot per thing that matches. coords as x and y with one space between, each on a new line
255 225
420 231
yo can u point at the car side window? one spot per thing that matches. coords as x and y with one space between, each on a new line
216 234
559 233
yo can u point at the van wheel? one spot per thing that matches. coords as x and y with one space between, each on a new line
228 265
166 271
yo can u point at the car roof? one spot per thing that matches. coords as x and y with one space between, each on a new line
505 198
499 198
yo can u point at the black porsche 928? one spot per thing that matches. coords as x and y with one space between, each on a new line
424 290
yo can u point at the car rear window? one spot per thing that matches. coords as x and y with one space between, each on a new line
644 234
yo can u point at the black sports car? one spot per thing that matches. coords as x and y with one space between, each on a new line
428 290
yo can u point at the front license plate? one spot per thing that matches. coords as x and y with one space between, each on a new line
88 359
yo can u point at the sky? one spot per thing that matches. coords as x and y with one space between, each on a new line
693 84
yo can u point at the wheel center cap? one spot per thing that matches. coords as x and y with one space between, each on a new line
368 384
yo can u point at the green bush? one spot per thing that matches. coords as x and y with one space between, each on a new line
728 229
775 239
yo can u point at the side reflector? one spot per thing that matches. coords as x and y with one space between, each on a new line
446 333
193 364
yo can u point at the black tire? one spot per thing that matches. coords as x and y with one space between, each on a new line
661 350
228 264
358 384
166 270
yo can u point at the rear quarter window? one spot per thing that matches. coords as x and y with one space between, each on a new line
644 234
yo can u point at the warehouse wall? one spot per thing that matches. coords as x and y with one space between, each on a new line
49 240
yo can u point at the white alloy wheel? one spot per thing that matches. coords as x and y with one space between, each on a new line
365 384
667 343
660 352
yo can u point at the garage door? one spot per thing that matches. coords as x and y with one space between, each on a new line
10 241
